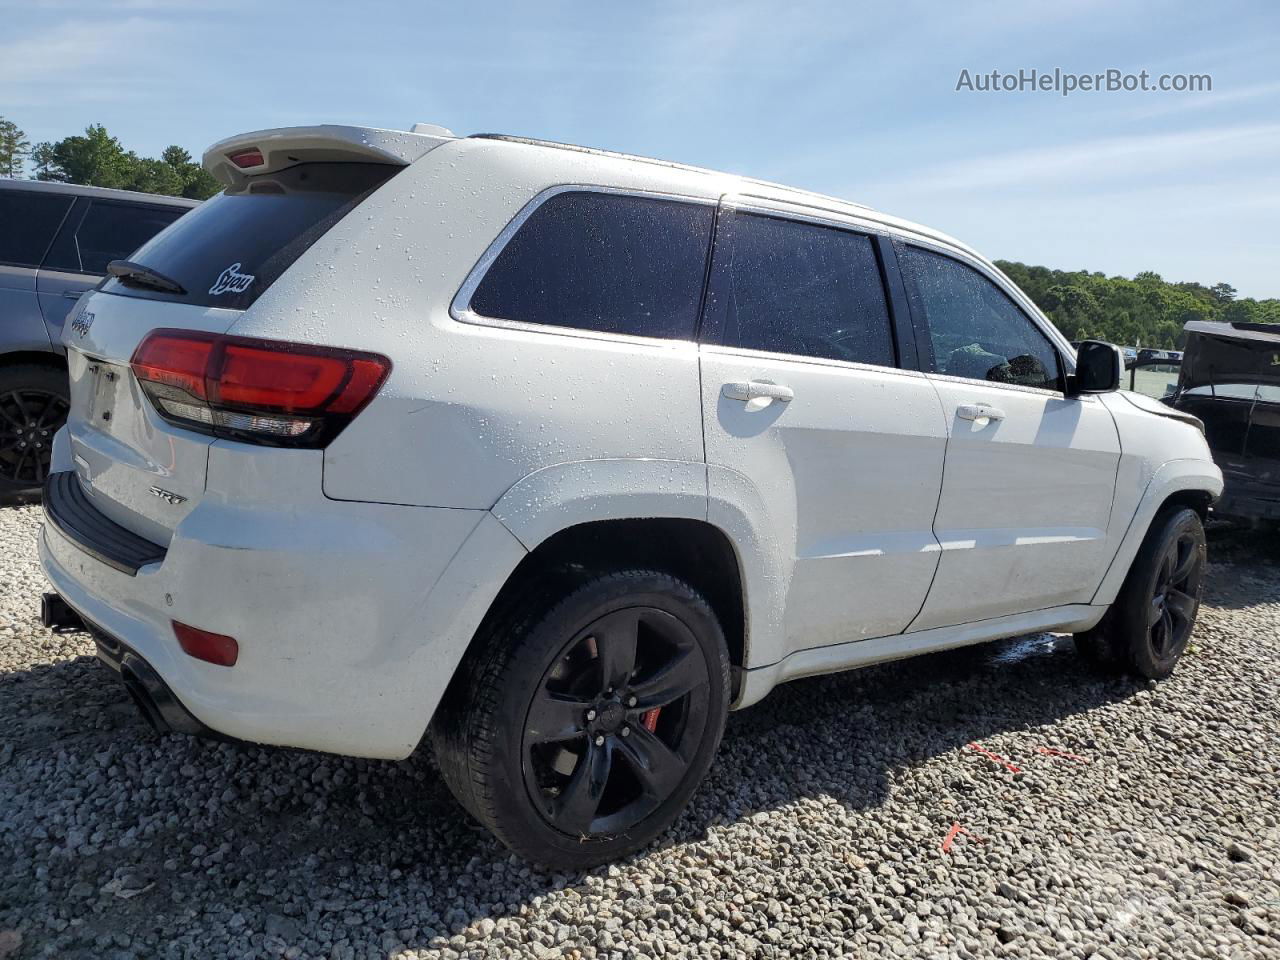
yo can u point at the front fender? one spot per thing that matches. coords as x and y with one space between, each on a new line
1172 477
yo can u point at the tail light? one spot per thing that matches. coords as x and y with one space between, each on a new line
260 391
246 158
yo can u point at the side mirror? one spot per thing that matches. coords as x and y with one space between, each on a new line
1098 369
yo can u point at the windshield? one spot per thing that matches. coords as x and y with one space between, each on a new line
231 248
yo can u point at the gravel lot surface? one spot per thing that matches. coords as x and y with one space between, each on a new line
1120 820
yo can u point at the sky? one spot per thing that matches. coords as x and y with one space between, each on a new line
857 100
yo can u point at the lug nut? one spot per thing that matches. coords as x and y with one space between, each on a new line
599 740
632 701
591 714
626 731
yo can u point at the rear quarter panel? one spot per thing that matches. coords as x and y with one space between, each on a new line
470 409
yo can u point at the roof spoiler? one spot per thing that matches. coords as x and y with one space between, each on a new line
231 160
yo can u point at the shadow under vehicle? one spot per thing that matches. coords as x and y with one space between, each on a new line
1229 377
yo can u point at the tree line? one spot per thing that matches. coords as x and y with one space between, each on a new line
1146 311
99 159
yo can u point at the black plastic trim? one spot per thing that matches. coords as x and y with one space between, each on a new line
158 704
900 316
68 508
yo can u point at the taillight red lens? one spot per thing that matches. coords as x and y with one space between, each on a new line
246 158
251 376
177 361
216 648
261 390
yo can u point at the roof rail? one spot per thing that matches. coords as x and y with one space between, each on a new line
670 164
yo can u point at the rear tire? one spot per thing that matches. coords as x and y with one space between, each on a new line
1148 627
33 407
577 734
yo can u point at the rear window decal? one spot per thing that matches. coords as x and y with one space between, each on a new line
231 280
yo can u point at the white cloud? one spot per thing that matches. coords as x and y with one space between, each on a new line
1178 103
81 59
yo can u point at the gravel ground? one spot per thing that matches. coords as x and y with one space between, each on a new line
1116 820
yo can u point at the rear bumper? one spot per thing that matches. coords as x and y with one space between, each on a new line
349 616
1247 505
1249 495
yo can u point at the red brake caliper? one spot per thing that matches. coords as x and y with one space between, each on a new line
649 719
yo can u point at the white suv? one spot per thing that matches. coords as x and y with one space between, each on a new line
557 455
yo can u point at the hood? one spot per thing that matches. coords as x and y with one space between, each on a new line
1225 354
1151 405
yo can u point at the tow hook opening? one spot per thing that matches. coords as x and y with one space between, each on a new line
57 615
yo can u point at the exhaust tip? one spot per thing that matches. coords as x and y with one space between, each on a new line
142 700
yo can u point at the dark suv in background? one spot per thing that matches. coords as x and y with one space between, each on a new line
56 240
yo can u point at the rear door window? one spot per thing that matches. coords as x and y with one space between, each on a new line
786 286
28 222
231 248
108 230
978 333
612 263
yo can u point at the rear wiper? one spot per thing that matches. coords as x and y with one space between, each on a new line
126 271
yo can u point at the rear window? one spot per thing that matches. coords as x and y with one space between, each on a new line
231 248
108 230
28 221
606 262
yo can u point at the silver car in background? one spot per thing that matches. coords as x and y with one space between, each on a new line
56 240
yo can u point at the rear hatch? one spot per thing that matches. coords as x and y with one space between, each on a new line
200 274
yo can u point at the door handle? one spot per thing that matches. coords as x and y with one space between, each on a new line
756 390
72 294
979 411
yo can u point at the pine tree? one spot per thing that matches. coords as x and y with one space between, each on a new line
14 149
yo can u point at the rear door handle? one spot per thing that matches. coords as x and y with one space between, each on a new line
756 390
72 294
979 411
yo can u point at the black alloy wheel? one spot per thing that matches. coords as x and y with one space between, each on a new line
1148 627
33 407
586 713
615 722
1176 597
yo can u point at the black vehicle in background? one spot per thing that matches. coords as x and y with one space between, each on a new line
56 240
1230 379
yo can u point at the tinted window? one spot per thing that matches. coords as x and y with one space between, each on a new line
28 222
108 230
228 250
790 287
977 331
607 262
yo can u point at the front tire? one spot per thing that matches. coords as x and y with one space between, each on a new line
578 733
1148 627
